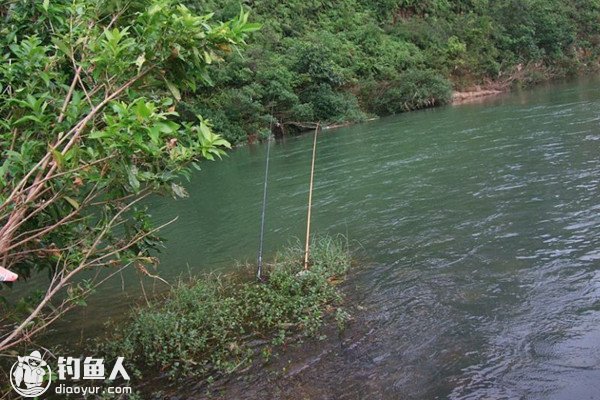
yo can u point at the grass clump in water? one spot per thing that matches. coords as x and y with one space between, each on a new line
218 323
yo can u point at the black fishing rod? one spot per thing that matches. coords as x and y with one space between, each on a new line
264 204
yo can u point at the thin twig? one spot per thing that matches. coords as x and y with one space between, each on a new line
69 94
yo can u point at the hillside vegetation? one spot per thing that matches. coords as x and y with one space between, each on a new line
339 61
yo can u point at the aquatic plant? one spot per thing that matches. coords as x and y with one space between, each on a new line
218 323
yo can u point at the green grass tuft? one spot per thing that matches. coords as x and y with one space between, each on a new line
218 323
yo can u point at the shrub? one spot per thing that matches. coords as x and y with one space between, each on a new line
412 91
333 106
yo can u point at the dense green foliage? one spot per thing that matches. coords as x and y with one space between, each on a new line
209 325
103 103
88 127
337 61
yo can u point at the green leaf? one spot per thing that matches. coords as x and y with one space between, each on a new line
108 34
221 142
98 135
155 8
132 176
74 203
28 118
207 155
154 133
205 130
60 45
206 78
251 27
167 126
46 4
174 90
59 159
142 110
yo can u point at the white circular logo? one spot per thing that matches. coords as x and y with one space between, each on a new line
30 376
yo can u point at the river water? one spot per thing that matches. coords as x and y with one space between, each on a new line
479 229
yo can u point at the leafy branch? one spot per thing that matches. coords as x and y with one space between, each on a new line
88 100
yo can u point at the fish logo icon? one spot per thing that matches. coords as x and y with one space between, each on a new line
30 376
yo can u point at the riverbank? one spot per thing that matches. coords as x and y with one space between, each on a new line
364 58
217 325
520 76
476 94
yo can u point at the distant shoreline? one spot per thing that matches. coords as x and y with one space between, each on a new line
474 95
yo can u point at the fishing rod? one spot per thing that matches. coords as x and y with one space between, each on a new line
264 203
310 190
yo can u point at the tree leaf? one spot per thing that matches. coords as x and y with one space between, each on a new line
59 159
74 203
132 176
154 133
142 110
98 135
174 90
60 45
251 27
167 126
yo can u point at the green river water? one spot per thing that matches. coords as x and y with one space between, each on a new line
479 228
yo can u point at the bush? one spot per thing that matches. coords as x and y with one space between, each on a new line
207 326
412 91
333 106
